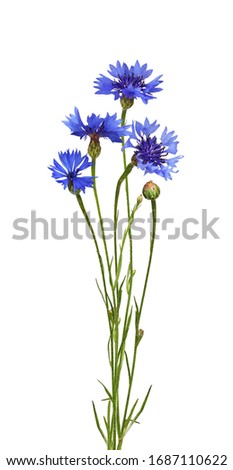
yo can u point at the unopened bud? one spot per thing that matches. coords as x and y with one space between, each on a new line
151 190
139 200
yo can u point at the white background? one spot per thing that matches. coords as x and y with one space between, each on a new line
53 327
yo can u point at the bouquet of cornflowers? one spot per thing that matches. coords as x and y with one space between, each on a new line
153 155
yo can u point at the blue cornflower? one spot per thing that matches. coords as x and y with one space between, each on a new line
69 174
128 83
150 154
96 127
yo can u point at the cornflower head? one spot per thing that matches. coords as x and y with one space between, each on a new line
128 83
96 128
69 172
150 153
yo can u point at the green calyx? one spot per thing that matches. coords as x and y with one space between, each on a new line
126 103
94 148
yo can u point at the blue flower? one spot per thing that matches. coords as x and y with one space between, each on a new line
150 154
96 127
108 127
128 83
69 173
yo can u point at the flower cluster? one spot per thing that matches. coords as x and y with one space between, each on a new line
150 152
153 154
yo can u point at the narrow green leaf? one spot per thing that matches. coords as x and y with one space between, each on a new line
144 403
127 365
110 302
106 424
137 316
121 286
128 322
125 332
119 297
119 294
134 420
97 423
110 271
106 390
109 413
100 291
131 412
129 282
109 352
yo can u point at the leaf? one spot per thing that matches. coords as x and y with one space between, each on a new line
97 423
127 365
111 305
128 323
109 351
100 291
122 282
134 420
129 280
131 412
137 317
106 424
106 390
126 330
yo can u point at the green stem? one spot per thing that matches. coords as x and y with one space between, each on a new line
138 316
152 241
129 291
82 207
128 169
124 175
93 172
123 119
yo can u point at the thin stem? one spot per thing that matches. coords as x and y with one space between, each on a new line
123 119
82 207
126 172
124 175
138 316
93 171
152 241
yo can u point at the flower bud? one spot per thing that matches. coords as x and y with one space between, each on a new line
94 147
126 103
139 200
151 190
140 335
